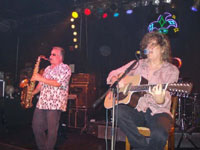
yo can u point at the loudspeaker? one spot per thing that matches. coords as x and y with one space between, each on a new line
86 94
77 117
83 78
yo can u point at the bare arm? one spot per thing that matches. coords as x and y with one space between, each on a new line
37 89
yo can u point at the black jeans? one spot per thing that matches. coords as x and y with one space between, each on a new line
45 127
129 119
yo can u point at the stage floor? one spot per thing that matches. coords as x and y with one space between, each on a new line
20 137
16 132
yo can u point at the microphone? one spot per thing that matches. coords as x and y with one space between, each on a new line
143 53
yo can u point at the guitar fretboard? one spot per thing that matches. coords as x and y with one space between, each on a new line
143 88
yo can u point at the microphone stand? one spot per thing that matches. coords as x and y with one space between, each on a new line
100 99
115 94
113 88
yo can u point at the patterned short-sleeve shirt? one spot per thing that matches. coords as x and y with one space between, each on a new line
51 97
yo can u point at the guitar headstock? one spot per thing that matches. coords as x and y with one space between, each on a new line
182 88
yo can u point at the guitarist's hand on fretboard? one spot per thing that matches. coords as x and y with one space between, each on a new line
158 93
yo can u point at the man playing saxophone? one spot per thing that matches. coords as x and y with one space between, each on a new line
53 87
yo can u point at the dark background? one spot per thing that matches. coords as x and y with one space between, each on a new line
29 28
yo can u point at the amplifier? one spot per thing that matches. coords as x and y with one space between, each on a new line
86 94
83 78
77 118
2 88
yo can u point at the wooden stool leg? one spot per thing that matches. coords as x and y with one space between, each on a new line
128 147
166 146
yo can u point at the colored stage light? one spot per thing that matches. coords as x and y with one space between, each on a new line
75 14
129 11
105 15
194 9
87 11
195 5
116 14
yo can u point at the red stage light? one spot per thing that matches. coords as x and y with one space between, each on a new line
87 11
105 15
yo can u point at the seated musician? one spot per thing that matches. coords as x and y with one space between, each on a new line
153 108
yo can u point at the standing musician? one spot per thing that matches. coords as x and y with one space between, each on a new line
153 108
53 87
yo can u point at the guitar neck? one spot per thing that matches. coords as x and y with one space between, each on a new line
144 88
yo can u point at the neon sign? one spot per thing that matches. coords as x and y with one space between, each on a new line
164 23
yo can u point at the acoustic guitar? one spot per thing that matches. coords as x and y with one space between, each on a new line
135 87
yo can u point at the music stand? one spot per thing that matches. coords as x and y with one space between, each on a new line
185 133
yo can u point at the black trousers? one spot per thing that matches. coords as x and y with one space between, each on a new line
129 119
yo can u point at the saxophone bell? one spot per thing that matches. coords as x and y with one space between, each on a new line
24 83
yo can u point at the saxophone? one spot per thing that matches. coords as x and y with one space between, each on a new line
28 87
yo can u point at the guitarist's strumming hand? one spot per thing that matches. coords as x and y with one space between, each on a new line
158 93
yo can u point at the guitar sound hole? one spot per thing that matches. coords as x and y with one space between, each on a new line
122 96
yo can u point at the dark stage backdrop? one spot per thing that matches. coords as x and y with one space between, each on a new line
106 44
122 36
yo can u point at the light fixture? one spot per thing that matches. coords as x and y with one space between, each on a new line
105 15
156 2
75 40
130 6
101 10
116 14
76 46
173 4
167 1
75 13
87 11
196 5
129 11
75 33
72 19
133 4
73 26
113 7
145 2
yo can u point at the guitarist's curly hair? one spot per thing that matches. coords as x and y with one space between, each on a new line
162 40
